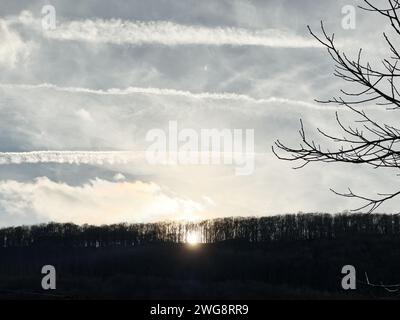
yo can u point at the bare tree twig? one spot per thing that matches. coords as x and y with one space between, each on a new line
367 141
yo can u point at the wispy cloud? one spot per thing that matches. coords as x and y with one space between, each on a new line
172 34
116 31
72 157
13 49
101 157
169 92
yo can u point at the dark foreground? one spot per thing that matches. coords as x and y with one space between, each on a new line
228 270
279 257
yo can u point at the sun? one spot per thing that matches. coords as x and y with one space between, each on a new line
193 238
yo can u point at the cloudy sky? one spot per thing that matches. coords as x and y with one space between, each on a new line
111 71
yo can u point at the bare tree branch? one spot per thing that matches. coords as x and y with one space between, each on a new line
366 141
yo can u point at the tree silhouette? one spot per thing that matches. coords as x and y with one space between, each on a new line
368 141
241 230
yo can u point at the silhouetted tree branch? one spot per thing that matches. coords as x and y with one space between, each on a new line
391 288
367 141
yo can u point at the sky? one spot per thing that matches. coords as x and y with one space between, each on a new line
109 72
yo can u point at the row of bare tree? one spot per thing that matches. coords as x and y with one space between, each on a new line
263 229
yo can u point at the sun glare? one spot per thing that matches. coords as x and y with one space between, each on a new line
193 238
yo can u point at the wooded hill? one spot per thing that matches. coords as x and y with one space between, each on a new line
253 230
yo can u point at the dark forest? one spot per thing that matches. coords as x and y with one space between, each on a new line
288 256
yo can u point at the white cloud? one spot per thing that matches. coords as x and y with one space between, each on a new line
13 49
97 202
119 177
171 34
72 157
117 31
84 115
169 92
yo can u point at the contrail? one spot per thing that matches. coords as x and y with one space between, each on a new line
99 157
70 157
169 92
167 33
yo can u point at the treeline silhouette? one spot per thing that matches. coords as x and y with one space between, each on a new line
239 229
287 256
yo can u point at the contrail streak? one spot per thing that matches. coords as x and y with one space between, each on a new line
100 157
172 34
70 157
169 92
167 33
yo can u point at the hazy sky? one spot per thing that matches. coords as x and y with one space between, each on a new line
112 70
